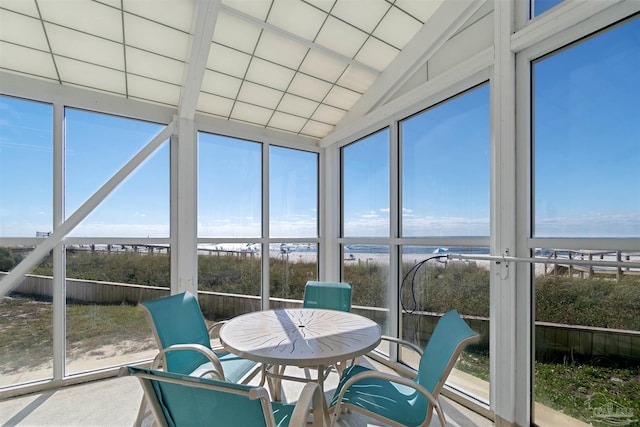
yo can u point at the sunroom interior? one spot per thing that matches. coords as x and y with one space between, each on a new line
478 155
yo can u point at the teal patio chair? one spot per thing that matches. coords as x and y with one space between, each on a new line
184 343
179 400
401 401
329 295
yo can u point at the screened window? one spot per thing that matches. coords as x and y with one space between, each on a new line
365 187
445 168
26 168
538 7
96 147
586 105
293 193
229 187
586 152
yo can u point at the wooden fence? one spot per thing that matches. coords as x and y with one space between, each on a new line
553 341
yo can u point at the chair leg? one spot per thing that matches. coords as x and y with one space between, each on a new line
142 413
443 421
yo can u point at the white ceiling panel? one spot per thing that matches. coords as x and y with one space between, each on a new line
233 32
296 105
328 114
397 28
22 30
257 9
357 79
364 17
89 75
279 49
420 9
216 105
21 6
324 5
287 122
156 38
84 47
172 13
316 129
113 3
296 18
28 61
323 66
86 16
252 93
309 87
153 90
341 98
154 66
292 65
376 54
221 84
251 113
227 60
340 37
269 74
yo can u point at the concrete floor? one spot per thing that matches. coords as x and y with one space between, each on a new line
114 402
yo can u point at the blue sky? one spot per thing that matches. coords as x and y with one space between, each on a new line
587 164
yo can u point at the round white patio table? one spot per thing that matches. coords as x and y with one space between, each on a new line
303 337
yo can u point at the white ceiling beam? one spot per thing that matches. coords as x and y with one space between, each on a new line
205 15
301 40
444 23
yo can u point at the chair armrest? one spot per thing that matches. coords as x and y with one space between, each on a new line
404 343
309 398
207 352
214 332
216 328
389 377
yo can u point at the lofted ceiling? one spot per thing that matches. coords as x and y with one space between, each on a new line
297 66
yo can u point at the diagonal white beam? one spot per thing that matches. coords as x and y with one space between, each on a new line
448 19
205 15
13 279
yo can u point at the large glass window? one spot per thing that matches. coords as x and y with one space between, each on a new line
26 325
445 193
96 147
229 187
366 268
538 7
105 280
293 213
365 187
26 168
434 284
586 151
445 168
26 210
365 213
293 193
104 327
586 105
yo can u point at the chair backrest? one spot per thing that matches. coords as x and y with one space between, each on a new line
450 336
329 295
177 319
182 400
